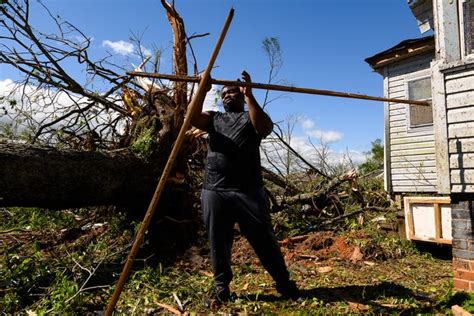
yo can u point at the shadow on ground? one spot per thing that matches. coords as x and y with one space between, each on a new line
361 294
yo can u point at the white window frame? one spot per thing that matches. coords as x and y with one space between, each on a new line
462 33
421 127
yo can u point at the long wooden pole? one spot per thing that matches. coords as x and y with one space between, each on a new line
169 164
266 86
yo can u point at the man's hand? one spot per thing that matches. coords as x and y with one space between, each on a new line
246 91
208 83
260 120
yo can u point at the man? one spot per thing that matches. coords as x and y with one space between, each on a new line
233 189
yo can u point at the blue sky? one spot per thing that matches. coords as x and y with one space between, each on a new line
324 44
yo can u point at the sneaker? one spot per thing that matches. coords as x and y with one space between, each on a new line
217 297
289 290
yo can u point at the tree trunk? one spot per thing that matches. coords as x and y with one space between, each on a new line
48 177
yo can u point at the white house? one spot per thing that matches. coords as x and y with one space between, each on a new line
430 150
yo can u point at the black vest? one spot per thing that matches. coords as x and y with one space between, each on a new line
233 157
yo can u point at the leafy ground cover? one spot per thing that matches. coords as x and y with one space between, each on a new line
67 262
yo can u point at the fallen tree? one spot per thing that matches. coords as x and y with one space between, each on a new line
52 178
113 143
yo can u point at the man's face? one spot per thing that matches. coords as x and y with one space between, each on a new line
232 99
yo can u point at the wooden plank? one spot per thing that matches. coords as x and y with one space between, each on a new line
410 224
458 161
413 133
399 117
409 146
398 70
423 230
193 106
415 183
401 111
386 151
461 99
434 240
461 130
410 152
275 87
415 164
462 188
413 170
461 145
416 158
400 130
447 39
440 129
437 217
460 115
460 84
398 123
461 73
397 95
411 64
397 85
464 176
428 177
397 106
398 92
428 199
395 80
412 189
412 139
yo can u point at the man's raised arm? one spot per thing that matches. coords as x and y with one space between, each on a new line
260 120
200 119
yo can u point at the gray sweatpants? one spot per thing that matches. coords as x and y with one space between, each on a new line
221 209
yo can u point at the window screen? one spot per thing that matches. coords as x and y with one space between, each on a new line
420 89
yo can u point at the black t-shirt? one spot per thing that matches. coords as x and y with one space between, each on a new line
233 158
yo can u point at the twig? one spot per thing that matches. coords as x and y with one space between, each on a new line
14 230
299 156
91 273
306 256
338 218
169 307
180 305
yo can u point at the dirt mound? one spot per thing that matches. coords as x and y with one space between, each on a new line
325 245
320 246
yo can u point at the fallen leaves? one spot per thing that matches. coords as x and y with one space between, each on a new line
326 269
358 307
169 308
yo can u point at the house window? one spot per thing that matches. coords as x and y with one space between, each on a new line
420 89
468 18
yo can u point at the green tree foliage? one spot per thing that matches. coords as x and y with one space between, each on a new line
374 158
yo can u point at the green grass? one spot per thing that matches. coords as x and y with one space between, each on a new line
49 255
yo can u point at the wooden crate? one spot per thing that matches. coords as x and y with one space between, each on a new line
428 219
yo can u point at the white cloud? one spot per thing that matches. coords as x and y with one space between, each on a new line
312 153
325 136
5 87
42 106
212 97
145 51
307 123
119 47
357 157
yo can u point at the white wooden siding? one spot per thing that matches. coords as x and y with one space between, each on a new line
412 151
460 126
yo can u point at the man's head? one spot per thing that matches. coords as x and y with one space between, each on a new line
232 99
